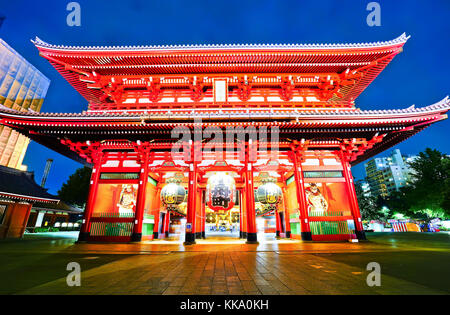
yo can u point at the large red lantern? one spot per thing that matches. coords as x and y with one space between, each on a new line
220 191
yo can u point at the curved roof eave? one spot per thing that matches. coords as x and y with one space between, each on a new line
400 40
439 107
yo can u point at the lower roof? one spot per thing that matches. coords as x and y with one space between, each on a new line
20 185
397 125
59 207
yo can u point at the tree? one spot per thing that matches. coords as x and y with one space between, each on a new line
428 196
369 207
75 190
399 202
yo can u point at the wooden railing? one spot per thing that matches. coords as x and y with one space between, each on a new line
330 228
111 228
106 224
112 215
327 213
325 225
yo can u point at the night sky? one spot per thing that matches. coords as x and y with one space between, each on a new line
418 76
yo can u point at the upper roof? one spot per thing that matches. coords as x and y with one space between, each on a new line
400 40
357 64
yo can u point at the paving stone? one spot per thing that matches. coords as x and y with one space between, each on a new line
295 268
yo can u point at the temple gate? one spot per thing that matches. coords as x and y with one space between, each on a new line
244 115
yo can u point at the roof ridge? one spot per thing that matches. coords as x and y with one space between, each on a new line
398 40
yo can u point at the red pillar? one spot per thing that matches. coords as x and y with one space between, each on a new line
203 217
156 214
166 224
250 203
93 186
140 202
359 229
163 225
277 224
301 198
244 211
198 214
190 215
287 219
241 215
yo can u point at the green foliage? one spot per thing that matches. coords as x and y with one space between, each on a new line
399 201
75 190
370 207
429 195
45 229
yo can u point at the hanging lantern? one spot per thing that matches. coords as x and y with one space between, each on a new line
220 192
269 193
173 193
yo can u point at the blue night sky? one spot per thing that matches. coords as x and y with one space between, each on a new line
418 76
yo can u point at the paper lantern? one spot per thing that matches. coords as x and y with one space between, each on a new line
220 192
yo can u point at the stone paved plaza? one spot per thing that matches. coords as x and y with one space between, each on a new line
411 263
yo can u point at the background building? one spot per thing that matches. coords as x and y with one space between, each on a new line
386 174
26 205
364 185
23 88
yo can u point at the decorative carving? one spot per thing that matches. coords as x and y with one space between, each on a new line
196 87
154 87
244 89
287 88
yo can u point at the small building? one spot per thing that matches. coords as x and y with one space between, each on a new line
24 202
61 216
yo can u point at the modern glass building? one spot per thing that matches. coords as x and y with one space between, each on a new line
23 88
386 174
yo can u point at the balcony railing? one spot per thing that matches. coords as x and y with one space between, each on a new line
112 215
329 213
330 228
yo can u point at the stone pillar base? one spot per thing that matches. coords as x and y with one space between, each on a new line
306 236
189 239
83 237
361 235
252 238
136 237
